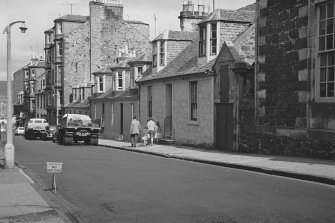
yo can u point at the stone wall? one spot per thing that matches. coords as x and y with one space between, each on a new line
109 33
245 45
76 59
282 48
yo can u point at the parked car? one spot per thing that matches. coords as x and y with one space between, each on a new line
19 131
49 132
76 127
35 128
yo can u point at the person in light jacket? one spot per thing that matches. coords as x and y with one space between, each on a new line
134 131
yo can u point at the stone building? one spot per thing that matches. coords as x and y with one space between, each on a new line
86 44
57 48
18 91
40 96
35 68
121 96
180 90
295 69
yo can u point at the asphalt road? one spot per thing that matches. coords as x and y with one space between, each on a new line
109 185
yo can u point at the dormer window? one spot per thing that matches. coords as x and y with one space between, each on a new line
154 54
59 28
26 74
100 84
213 38
139 71
119 81
202 41
162 54
48 38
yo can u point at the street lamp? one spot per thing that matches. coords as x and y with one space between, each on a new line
9 147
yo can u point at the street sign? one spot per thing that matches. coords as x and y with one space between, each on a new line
54 167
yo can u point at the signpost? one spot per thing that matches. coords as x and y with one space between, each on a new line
54 168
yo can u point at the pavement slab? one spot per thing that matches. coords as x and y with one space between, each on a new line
20 202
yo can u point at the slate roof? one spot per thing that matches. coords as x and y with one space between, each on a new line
49 30
104 69
144 57
184 64
230 16
117 95
37 63
72 18
176 35
122 64
251 7
78 104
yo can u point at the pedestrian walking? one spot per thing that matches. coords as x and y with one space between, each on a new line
151 131
134 131
158 133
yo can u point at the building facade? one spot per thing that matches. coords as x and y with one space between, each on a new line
18 91
35 68
295 69
181 95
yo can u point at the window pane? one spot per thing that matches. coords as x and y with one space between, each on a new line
330 9
330 89
323 59
322 30
323 75
330 59
322 45
323 90
330 42
330 25
331 74
322 12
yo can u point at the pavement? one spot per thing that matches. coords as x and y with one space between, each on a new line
20 201
321 171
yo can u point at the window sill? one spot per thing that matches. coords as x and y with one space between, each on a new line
325 100
192 122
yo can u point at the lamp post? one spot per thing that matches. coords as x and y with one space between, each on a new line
9 147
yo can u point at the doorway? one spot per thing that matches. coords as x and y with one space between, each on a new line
168 111
224 126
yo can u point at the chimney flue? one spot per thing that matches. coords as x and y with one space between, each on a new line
214 5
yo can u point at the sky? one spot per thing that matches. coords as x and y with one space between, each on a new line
40 14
